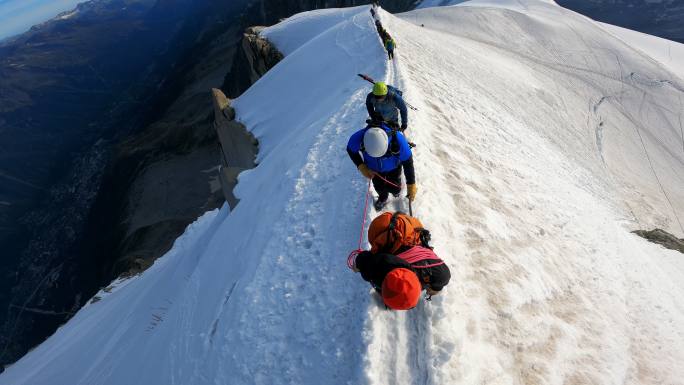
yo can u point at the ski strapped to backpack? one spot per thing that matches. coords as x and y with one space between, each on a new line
394 89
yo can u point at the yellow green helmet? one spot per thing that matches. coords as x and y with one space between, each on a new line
380 89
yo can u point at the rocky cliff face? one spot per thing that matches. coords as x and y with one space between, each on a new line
164 176
238 146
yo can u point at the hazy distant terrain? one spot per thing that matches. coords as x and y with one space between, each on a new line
664 18
17 16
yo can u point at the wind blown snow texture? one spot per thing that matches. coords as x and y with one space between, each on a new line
542 140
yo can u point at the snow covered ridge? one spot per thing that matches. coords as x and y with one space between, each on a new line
542 140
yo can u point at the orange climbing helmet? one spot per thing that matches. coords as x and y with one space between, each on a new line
401 289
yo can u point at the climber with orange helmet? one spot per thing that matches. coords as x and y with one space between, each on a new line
401 262
392 277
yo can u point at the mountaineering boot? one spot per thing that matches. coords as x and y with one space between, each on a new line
379 205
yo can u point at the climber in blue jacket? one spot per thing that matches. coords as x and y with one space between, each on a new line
385 103
380 154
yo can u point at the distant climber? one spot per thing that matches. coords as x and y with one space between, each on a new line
381 31
390 45
380 153
384 35
401 262
385 104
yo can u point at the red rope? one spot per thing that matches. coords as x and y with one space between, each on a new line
365 211
351 259
386 181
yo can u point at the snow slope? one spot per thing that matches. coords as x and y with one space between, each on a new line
542 140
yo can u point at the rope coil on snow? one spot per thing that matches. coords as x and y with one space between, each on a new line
351 259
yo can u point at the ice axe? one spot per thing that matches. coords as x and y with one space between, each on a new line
370 80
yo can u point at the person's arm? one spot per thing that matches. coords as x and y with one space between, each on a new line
441 275
354 146
355 157
401 105
409 172
369 106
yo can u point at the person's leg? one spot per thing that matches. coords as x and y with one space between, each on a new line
394 177
381 189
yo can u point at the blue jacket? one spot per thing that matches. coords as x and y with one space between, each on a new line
386 109
389 161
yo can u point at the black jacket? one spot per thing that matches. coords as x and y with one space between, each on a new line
374 268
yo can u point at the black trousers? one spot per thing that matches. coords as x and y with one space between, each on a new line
383 188
390 54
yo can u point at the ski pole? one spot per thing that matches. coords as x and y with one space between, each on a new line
410 208
370 80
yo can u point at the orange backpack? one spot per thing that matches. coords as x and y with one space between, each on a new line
389 232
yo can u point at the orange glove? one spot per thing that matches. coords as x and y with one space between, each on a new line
367 172
411 189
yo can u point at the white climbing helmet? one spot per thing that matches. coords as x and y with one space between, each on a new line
375 142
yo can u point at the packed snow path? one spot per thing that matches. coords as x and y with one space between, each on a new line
530 173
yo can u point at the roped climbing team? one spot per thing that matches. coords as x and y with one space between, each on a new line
401 263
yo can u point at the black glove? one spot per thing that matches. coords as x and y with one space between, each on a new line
404 126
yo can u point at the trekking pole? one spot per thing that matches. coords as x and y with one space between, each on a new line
410 208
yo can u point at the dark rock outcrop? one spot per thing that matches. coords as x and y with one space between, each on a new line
256 56
663 238
238 146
